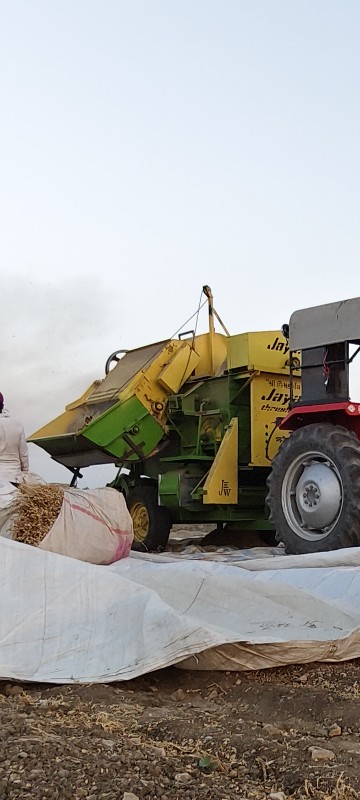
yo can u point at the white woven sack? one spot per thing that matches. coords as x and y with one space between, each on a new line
93 526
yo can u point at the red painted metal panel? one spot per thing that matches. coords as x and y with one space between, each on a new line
344 413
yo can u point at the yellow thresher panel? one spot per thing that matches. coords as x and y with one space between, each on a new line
267 351
265 356
178 370
202 347
221 485
269 400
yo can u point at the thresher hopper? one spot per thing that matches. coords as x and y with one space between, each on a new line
190 423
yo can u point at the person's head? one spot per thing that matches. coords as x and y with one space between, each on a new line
1 402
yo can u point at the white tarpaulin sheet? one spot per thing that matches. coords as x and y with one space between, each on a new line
63 620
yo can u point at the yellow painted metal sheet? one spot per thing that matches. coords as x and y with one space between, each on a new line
182 364
221 485
267 351
210 364
269 400
130 366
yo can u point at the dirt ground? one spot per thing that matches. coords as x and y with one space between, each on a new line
176 734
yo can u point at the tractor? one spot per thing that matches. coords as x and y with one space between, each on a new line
314 483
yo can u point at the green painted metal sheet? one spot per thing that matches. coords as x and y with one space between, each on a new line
126 430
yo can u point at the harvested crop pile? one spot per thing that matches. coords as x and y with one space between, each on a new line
37 507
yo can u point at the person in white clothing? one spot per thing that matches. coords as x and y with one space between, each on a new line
14 456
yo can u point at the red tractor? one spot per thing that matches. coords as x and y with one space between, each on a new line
314 484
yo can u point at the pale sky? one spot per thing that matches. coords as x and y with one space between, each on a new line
147 148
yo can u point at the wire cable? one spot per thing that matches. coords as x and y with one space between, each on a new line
195 314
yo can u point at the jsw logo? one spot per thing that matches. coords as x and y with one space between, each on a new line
224 489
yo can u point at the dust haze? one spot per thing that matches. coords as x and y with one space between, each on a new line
55 342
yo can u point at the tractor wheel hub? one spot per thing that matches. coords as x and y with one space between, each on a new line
318 495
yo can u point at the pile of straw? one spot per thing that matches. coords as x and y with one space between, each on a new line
37 507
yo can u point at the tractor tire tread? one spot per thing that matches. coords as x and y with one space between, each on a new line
342 445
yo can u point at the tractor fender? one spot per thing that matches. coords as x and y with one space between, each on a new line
344 413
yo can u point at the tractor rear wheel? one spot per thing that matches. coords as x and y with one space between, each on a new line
151 522
314 489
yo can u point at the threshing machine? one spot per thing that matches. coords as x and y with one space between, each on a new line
199 426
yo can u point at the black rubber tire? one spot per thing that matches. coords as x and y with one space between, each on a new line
159 519
342 447
269 538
